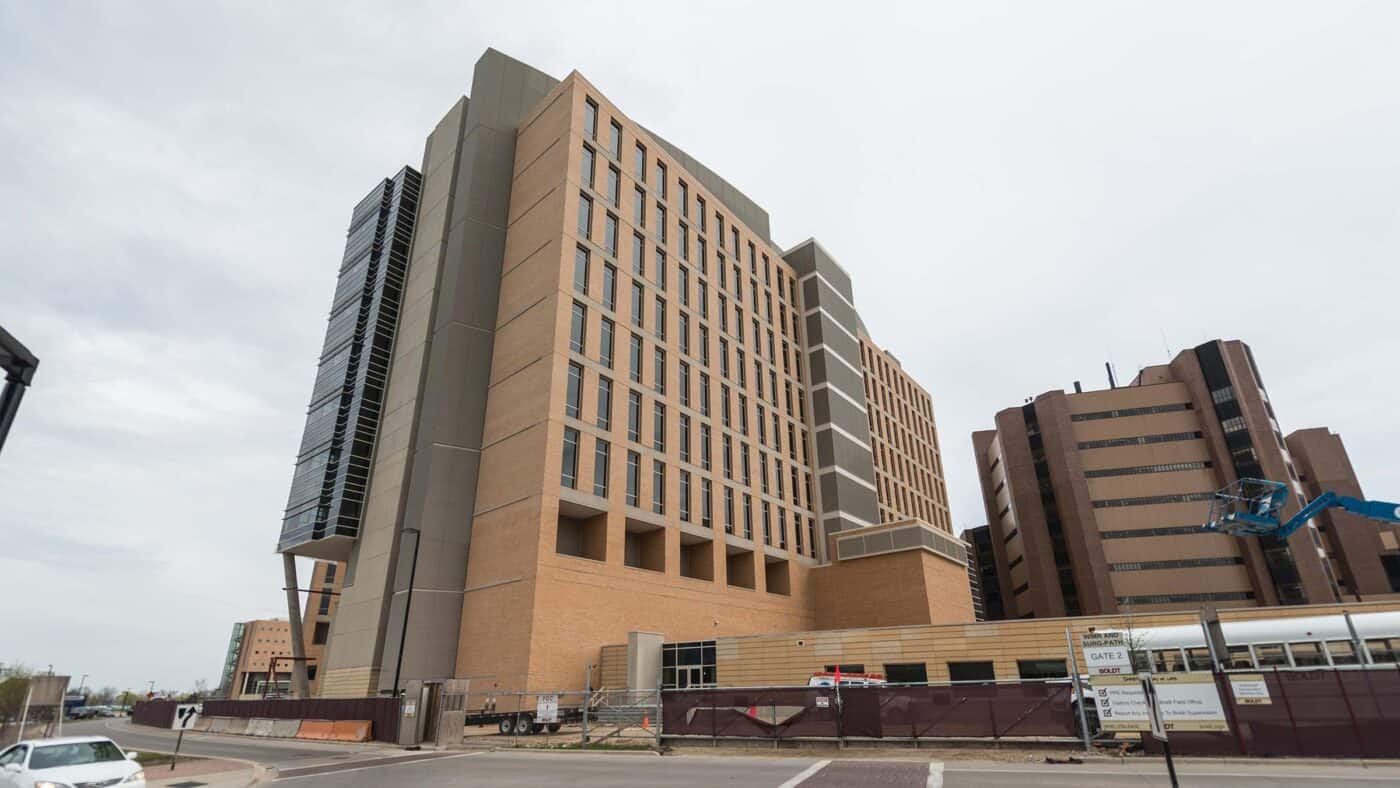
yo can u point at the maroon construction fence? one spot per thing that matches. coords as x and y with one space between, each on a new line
1317 713
156 713
913 712
382 712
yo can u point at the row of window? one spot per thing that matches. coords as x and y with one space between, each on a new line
1141 440
1168 599
1152 500
1178 563
1168 530
1165 467
772 518
1122 412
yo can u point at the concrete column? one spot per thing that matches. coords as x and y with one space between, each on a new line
300 687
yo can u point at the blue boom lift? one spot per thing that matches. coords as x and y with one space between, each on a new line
1252 507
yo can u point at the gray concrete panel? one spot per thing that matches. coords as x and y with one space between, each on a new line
845 494
831 408
834 448
823 330
818 292
825 368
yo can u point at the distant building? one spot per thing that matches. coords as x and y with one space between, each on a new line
1364 554
982 574
327 579
1096 499
252 647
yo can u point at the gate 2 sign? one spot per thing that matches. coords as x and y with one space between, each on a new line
1106 654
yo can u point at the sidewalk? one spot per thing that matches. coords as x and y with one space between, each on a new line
211 772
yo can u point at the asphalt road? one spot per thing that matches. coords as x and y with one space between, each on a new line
282 754
587 770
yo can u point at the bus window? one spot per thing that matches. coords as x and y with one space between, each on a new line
1271 654
1142 662
1343 652
1383 649
1167 661
1307 654
1239 657
1198 658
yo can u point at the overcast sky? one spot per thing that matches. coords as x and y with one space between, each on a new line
1020 193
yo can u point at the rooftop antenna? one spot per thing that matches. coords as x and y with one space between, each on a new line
1166 345
1113 384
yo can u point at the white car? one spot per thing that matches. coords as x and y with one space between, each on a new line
72 762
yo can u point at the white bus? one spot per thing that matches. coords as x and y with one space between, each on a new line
1307 641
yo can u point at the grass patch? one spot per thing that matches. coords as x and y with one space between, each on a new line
147 759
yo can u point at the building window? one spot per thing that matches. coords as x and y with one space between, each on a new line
704 446
706 503
573 398
685 437
658 487
569 475
321 633
590 118
604 403
748 517
601 452
660 266
658 323
581 270
658 426
704 389
639 163
661 222
614 185
324 607
1032 669
610 287
728 510
576 327
615 139
638 296
585 216
639 207
688 665
634 357
634 417
660 178
605 343
659 370
585 174
685 496
330 573
971 671
634 477
610 234
684 381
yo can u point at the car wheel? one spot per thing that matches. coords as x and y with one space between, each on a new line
505 726
554 727
524 725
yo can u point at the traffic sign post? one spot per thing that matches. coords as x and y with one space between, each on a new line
1154 718
185 716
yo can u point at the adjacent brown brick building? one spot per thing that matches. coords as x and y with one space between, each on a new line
615 404
1095 500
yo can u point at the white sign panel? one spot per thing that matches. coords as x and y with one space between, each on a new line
1106 654
1250 689
547 708
823 702
1188 701
186 714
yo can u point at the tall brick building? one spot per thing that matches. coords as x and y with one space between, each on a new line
613 404
1095 500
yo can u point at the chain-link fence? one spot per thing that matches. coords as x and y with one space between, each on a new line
562 718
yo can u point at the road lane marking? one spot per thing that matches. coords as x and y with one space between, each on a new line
1108 770
802 776
397 762
935 774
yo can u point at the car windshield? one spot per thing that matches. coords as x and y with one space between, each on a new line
56 755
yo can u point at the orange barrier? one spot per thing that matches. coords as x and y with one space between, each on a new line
350 730
319 730
338 730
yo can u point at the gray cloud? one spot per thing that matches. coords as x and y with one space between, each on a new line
1021 191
